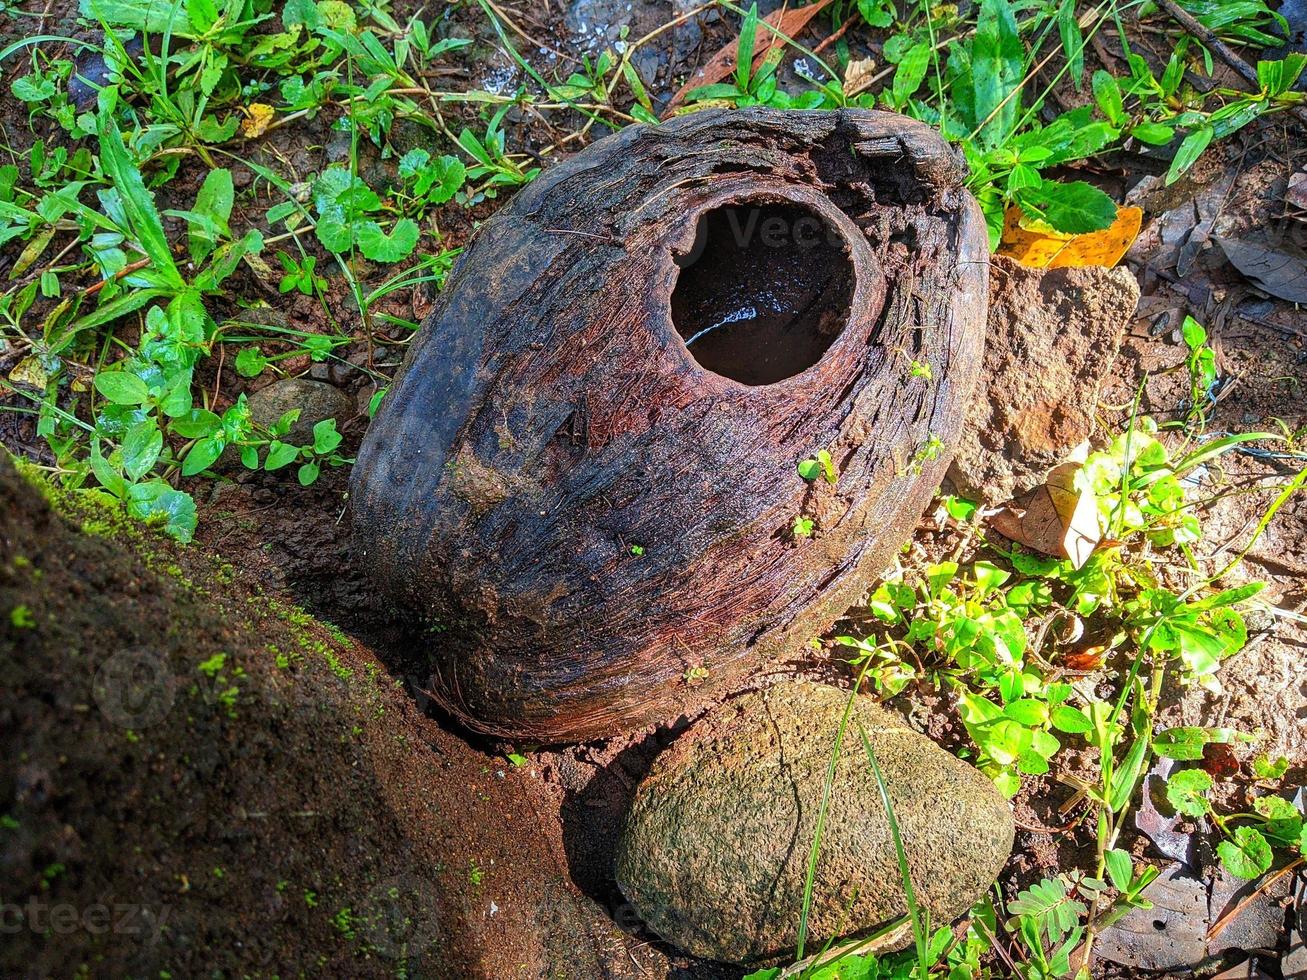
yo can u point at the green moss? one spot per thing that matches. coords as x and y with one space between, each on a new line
300 624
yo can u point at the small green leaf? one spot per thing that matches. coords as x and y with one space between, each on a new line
325 437
1266 768
1185 791
250 362
877 13
174 508
280 454
1074 207
137 202
141 447
213 205
1073 41
1027 711
1154 134
1246 854
910 73
1107 93
1127 774
960 509
122 388
201 456
1119 868
1190 150
1284 822
196 424
308 473
381 247
1071 720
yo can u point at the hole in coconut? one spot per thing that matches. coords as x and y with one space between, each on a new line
764 292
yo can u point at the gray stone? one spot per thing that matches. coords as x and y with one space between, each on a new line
1053 334
316 401
715 848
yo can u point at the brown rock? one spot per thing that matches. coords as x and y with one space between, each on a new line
1052 336
315 400
716 847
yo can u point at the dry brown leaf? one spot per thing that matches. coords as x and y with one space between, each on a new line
857 73
1295 195
788 22
1056 519
257 119
1277 268
1043 248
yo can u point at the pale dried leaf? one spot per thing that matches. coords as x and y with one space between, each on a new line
1277 269
1056 519
857 73
258 116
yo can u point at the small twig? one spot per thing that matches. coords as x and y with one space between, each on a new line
837 35
1222 50
1226 919
126 270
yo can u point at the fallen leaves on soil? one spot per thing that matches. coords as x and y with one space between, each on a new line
1055 519
1041 247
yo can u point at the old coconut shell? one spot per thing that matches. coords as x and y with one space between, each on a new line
585 473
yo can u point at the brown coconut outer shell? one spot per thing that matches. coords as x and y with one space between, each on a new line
548 417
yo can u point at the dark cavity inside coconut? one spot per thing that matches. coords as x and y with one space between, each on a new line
764 291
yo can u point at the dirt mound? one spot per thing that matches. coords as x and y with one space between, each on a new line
205 781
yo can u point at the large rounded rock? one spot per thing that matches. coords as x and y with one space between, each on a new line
715 849
316 401
585 473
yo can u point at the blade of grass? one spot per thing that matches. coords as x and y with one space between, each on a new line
919 916
822 811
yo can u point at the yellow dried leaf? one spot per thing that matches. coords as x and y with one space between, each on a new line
257 119
1041 247
30 371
